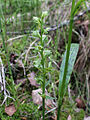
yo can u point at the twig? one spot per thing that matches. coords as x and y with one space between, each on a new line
50 111
3 83
29 49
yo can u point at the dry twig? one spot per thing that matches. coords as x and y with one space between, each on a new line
3 83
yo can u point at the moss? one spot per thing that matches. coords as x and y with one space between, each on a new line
69 109
28 110
79 115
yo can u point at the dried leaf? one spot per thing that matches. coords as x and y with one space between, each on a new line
80 103
10 110
20 63
69 117
37 99
23 118
12 58
87 118
32 80
22 81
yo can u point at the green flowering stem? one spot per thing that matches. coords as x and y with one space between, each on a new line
40 35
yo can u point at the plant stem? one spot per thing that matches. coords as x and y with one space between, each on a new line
62 89
43 70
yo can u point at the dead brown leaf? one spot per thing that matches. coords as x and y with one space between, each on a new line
22 81
80 103
23 118
12 58
87 118
32 80
37 99
10 110
69 117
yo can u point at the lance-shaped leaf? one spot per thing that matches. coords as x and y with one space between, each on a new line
73 54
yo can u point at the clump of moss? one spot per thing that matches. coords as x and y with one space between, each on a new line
79 115
69 109
30 110
27 110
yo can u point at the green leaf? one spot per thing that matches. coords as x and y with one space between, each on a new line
77 7
47 52
36 34
73 54
47 83
49 97
37 63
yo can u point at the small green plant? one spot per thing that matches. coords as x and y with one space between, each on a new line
43 53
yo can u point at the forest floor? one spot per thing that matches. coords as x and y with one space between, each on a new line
20 64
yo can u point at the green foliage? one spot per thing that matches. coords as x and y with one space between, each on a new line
44 58
77 7
72 57
5 47
63 81
79 115
18 5
17 47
